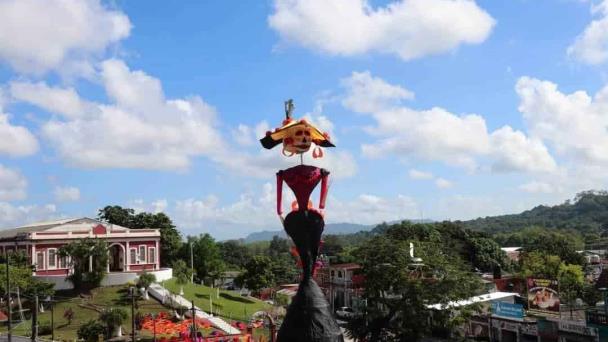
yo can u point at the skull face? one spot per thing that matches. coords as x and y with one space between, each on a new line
298 140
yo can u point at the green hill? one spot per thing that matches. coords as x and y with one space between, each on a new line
587 213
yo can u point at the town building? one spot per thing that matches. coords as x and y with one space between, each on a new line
130 251
342 284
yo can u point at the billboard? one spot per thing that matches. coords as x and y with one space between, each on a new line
508 310
543 296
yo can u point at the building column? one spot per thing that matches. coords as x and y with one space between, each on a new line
33 256
90 264
127 256
157 256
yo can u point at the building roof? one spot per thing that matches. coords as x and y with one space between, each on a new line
63 226
348 266
477 299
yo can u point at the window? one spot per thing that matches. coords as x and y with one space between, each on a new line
133 256
333 273
151 255
63 262
142 254
52 257
39 260
339 274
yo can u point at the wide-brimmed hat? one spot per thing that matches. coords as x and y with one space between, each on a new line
274 138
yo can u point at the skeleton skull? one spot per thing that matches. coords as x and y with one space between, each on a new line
297 140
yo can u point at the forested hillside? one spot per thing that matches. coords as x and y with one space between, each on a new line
587 213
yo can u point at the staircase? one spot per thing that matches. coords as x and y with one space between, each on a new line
163 295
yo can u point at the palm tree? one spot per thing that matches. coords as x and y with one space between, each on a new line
113 319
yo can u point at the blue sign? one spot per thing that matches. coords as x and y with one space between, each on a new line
508 310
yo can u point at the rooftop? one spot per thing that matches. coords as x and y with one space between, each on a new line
62 225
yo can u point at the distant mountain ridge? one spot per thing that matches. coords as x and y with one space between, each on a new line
330 228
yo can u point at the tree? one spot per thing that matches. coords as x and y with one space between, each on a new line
170 237
91 330
540 264
145 280
398 293
182 273
571 283
234 253
86 272
277 247
113 319
258 274
21 277
208 264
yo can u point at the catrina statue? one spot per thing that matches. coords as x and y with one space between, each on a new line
309 317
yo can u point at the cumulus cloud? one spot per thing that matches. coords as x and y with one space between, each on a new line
574 124
514 151
591 46
13 185
256 210
438 135
369 94
64 101
408 28
417 174
139 128
37 36
17 141
12 215
67 193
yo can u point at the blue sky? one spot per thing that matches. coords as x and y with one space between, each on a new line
445 109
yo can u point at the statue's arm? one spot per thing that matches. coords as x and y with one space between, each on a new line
279 193
324 188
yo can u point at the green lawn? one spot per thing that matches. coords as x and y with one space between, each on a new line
103 297
229 304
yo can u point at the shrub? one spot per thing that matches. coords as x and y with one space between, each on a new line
91 330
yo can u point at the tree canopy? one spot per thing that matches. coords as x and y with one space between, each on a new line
85 272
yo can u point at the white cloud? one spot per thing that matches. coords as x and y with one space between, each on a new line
13 185
591 46
12 216
67 193
537 187
514 151
37 36
371 209
17 141
574 124
408 28
369 94
57 100
439 135
243 135
140 128
417 174
443 183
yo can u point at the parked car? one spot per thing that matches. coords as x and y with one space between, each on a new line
345 312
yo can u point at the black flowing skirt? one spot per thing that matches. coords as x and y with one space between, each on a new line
309 317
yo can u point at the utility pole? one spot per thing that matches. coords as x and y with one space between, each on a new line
132 314
8 298
35 319
52 319
191 264
194 320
